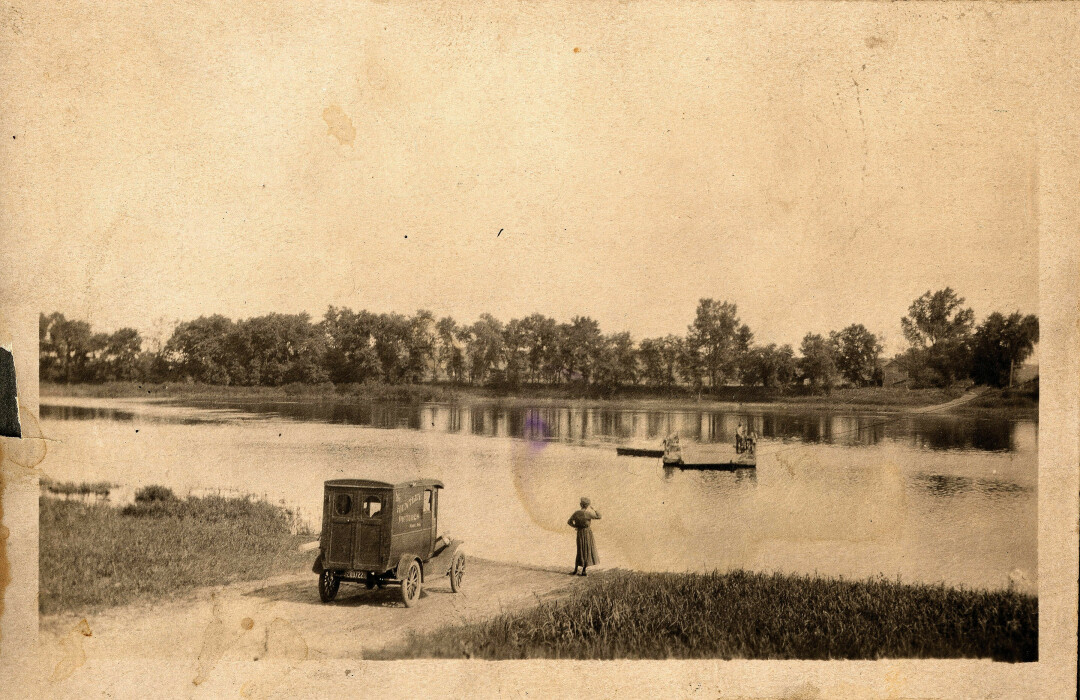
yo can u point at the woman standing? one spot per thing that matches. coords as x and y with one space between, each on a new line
586 545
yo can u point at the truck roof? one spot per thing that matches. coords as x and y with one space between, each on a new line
372 484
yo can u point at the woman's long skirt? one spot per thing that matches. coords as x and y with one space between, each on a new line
586 548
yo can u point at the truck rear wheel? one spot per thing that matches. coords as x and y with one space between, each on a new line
328 585
411 583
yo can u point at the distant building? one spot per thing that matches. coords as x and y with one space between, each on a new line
1024 374
894 374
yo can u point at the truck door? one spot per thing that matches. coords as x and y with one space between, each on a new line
343 520
372 516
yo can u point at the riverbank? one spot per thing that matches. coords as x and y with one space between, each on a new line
1016 403
152 575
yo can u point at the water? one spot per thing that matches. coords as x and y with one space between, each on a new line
926 498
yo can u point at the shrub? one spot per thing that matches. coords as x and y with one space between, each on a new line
152 493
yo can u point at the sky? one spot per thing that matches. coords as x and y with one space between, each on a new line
614 160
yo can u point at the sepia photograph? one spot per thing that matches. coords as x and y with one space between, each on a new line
540 347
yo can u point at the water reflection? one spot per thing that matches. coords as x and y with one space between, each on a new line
951 485
589 425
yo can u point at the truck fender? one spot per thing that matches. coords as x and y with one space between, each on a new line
317 566
403 563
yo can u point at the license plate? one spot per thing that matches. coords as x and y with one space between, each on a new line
355 574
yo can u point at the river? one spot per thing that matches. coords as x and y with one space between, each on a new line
923 498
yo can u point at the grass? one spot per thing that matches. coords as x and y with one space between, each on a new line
94 556
70 488
848 398
628 615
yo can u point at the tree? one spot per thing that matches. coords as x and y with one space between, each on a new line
617 364
116 356
769 365
659 359
541 345
449 352
199 349
818 363
350 340
716 341
483 347
856 351
580 346
1000 344
939 330
64 348
421 347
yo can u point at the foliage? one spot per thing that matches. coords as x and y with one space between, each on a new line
769 366
154 493
939 330
1000 344
716 342
857 352
631 615
659 358
69 352
95 556
349 349
817 366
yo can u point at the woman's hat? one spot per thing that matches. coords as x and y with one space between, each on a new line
585 501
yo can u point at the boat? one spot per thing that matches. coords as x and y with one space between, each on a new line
743 461
638 452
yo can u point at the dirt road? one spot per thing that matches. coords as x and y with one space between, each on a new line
283 618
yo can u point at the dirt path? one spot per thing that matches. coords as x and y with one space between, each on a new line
959 401
283 617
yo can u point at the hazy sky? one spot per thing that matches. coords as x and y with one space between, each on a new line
818 169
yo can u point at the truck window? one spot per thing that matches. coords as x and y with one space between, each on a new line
427 501
372 506
342 504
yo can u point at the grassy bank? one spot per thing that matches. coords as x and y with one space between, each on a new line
747 615
93 556
870 399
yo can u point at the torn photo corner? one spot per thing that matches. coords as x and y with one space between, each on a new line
9 395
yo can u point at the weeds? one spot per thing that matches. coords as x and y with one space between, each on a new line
627 615
95 556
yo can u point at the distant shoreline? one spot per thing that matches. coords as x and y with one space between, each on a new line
1017 403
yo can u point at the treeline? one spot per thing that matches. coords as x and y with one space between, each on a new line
348 347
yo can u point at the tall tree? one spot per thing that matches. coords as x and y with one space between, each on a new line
617 363
580 346
64 348
483 347
857 351
818 363
350 345
659 360
939 330
450 354
1000 344
716 341
421 347
769 365
199 349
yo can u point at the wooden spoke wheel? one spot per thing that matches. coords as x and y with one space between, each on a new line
411 584
457 572
328 585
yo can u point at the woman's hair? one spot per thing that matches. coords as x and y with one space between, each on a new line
585 502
